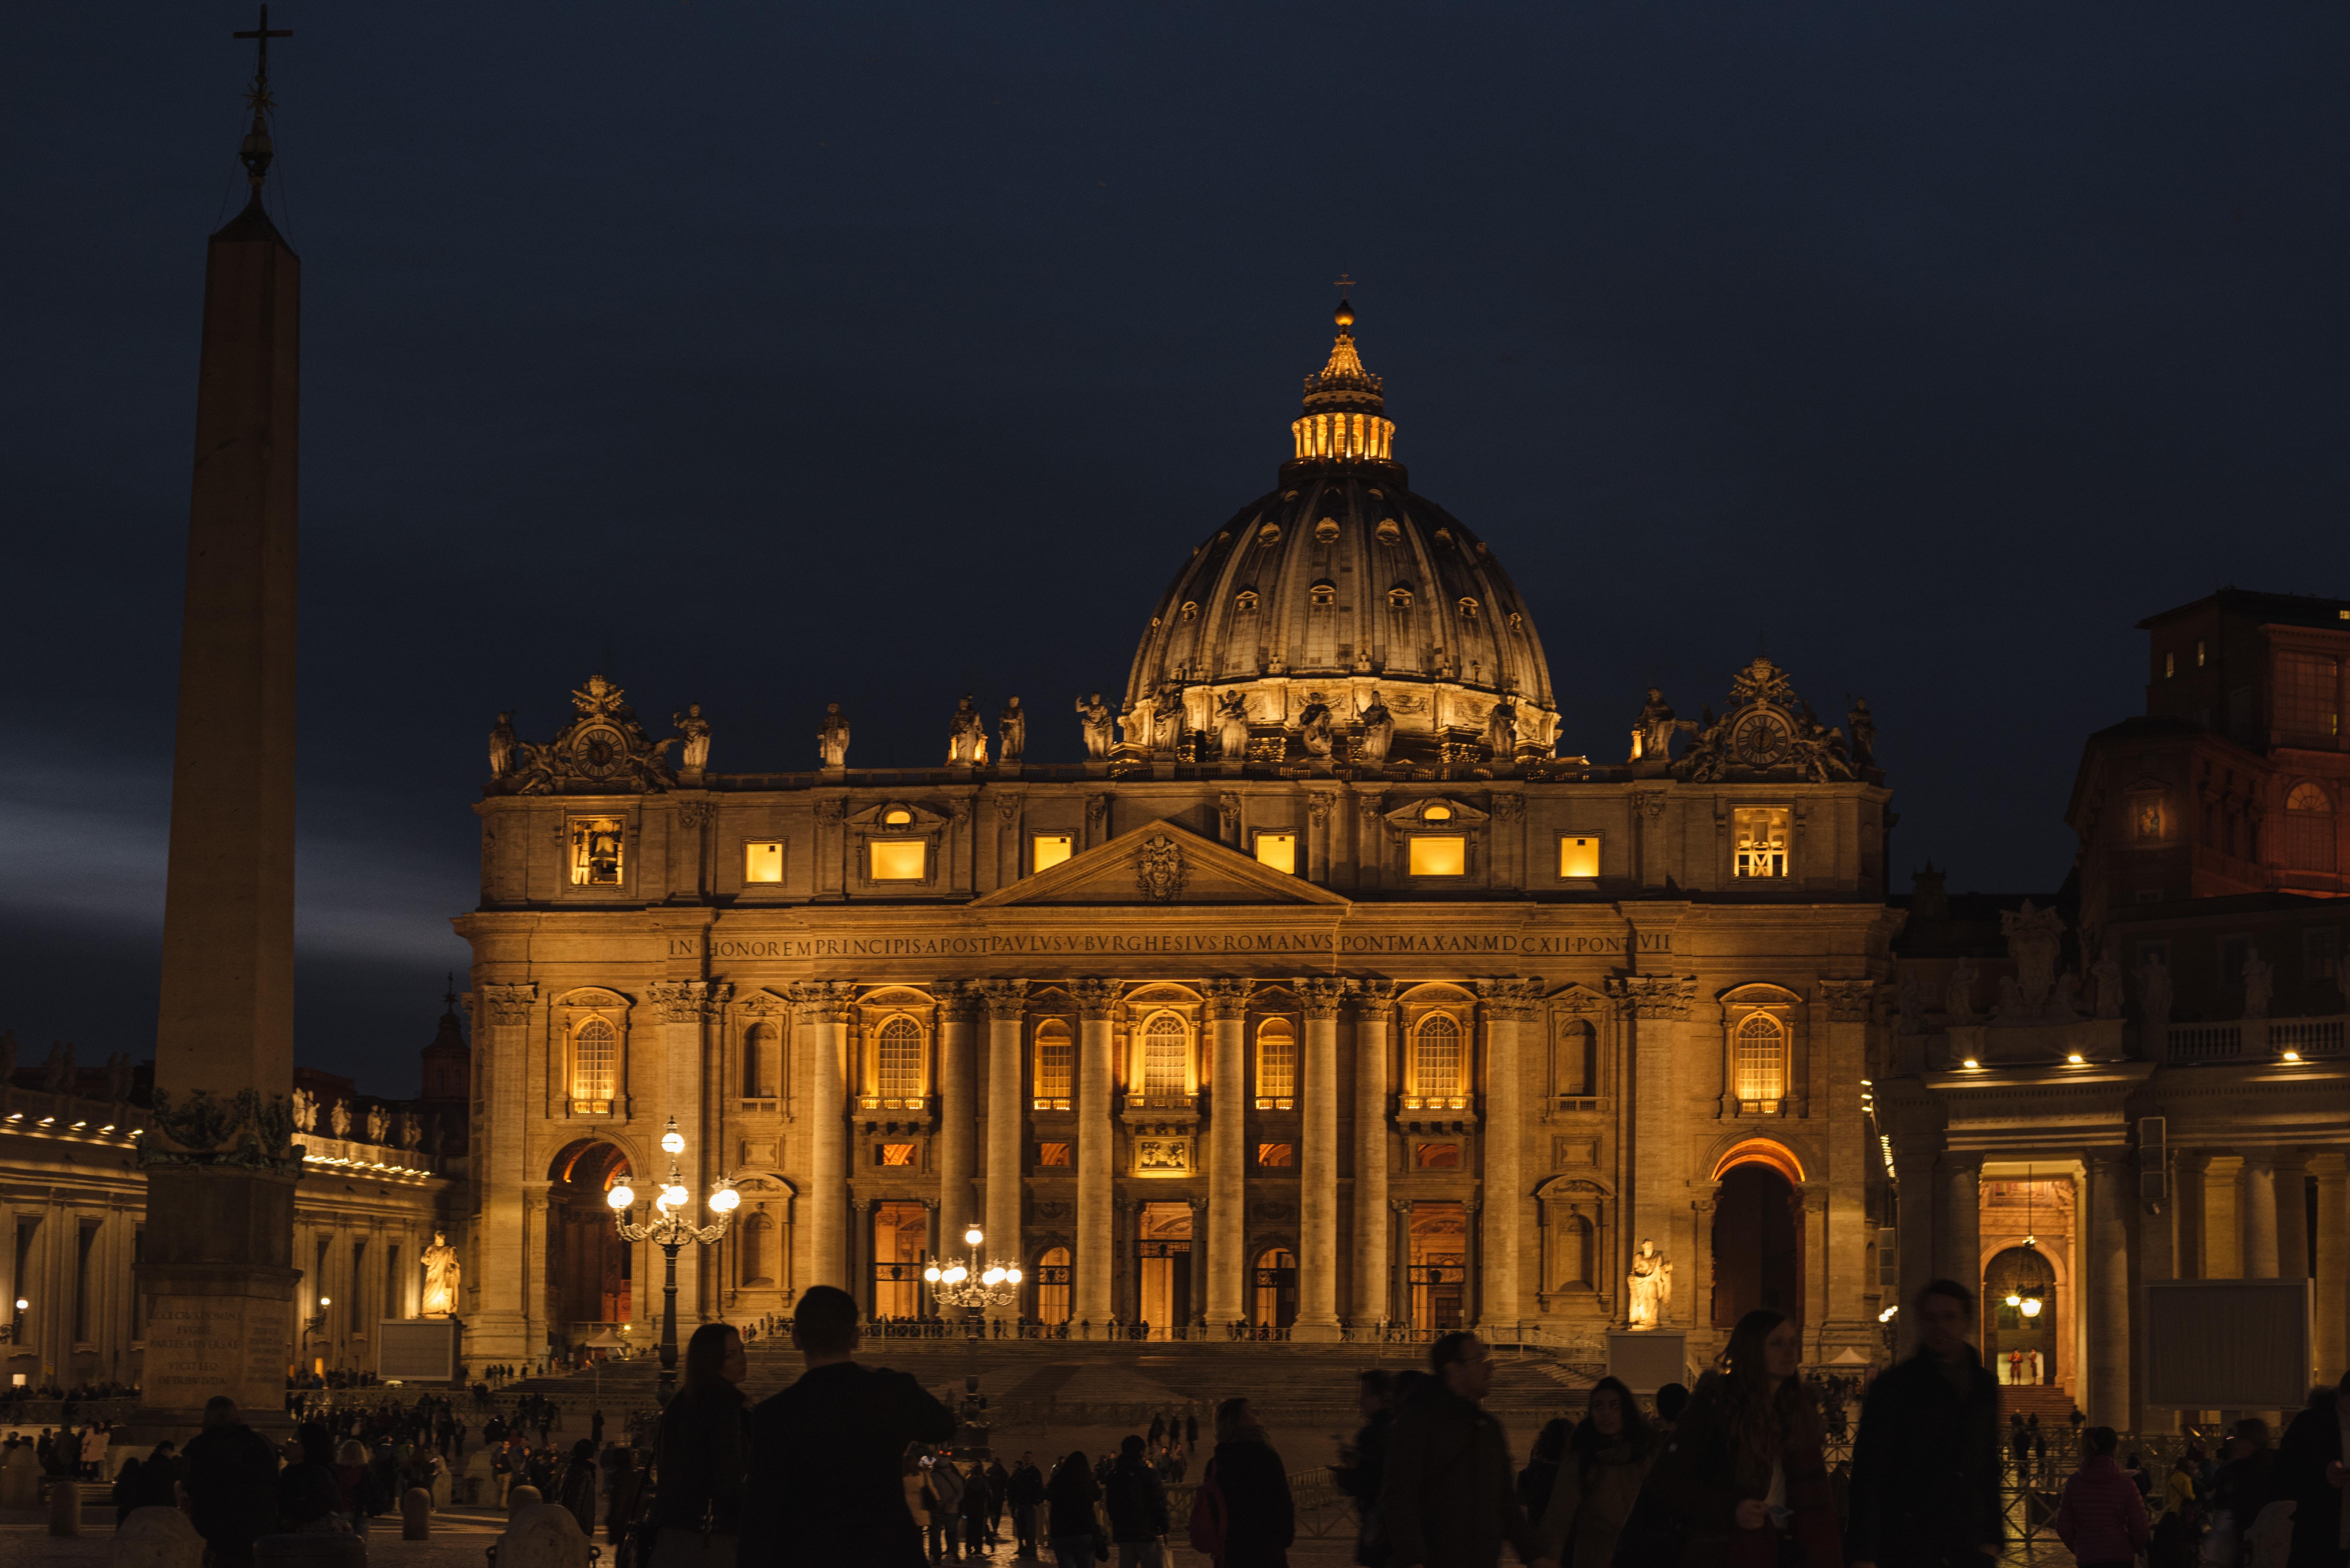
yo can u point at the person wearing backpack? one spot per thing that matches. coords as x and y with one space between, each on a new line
1242 1514
1136 1500
1069 1499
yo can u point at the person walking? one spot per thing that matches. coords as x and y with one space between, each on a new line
1597 1481
231 1476
1260 1519
2309 1474
2102 1519
1136 1500
943 1492
699 1459
577 1488
1362 1468
999 1498
1027 1496
356 1498
1925 1464
1069 1499
1448 1501
1742 1480
828 1453
977 1498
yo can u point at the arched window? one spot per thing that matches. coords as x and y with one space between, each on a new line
752 1252
1055 1059
2307 829
1165 1055
762 1063
897 1060
1053 1285
1276 1064
1759 1055
1436 1076
595 1065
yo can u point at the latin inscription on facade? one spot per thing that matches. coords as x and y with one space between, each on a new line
1014 944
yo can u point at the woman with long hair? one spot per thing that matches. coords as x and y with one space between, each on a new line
1742 1482
1260 1516
698 1455
1599 1473
1069 1499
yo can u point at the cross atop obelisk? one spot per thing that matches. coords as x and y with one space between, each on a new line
258 150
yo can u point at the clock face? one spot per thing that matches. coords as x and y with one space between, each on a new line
1761 741
600 753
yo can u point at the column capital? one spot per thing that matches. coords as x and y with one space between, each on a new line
1321 994
822 1000
1004 998
2260 1159
508 1004
1654 995
1954 1160
1375 997
958 998
1848 1000
1095 997
688 1001
1227 998
1510 997
1401 1205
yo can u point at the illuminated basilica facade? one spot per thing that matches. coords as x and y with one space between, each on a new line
1326 995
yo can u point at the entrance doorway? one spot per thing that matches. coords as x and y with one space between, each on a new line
1273 1302
589 1267
901 1234
1053 1285
1757 1252
1440 1266
1165 1271
2020 1317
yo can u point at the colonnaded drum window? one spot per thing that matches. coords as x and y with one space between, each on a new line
1047 850
1278 850
1439 855
764 862
898 860
1579 856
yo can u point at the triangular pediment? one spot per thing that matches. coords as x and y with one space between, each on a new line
1162 864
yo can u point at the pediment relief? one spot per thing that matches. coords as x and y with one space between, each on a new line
1579 998
1759 993
1438 813
1573 1187
1163 863
900 817
760 1004
595 998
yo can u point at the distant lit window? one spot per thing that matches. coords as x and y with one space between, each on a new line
1276 1064
1439 855
1047 850
595 1066
1056 1062
1278 850
1759 833
1578 857
1166 1057
1436 1156
897 1154
897 816
1438 1079
898 1061
2199 654
2169 665
898 860
2308 700
1276 1154
764 862
595 843
2307 838
1053 1154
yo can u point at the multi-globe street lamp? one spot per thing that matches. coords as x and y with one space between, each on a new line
974 1285
670 1230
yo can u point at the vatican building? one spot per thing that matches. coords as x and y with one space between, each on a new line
1327 998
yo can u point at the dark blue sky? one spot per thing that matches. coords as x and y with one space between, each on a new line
783 355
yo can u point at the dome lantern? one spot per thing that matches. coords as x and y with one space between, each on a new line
1345 419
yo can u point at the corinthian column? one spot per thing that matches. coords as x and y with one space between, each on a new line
819 1003
497 1331
957 1131
687 1008
1317 1187
1374 1022
2111 1182
1228 1103
1960 1224
2257 1209
1096 1259
1507 1004
1655 1006
1006 1001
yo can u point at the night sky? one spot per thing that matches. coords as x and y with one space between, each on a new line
769 356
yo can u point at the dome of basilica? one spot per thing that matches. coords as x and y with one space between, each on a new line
1342 591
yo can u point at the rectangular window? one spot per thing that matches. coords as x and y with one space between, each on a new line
1052 1154
1759 833
898 860
2169 665
900 1155
1047 850
2307 691
1578 857
1439 855
1278 850
1055 1064
1436 1156
1276 1154
764 862
596 845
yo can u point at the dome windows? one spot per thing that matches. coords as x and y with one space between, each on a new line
1326 530
1386 532
1190 610
1399 596
1244 602
1269 536
1468 607
1323 594
1444 536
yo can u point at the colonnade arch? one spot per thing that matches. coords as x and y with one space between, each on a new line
590 1270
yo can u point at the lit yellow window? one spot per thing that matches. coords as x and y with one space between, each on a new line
2199 654
1437 812
898 859
1056 1064
1761 1059
1276 1154
1578 857
1759 833
595 843
595 1067
1052 1154
1047 850
898 816
1276 1064
762 862
1439 855
901 1154
1278 850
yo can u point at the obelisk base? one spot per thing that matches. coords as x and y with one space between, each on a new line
216 1324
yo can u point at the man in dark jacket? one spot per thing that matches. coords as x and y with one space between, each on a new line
2309 1470
1027 1495
1362 1468
1449 1499
1926 1464
1134 1499
231 1474
826 1453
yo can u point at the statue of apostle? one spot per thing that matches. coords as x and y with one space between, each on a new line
441 1275
1652 732
1378 732
1012 731
1501 732
832 737
966 737
1233 726
1314 725
1094 714
696 731
1651 1283
501 745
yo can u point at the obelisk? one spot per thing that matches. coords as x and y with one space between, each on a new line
217 1269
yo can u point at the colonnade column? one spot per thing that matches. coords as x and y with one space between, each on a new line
819 1003
1006 1000
958 1127
2256 1211
2111 1183
2332 1343
1498 1304
1959 1226
495 1332
1096 1255
2292 1188
687 1008
1374 1020
1318 1188
1227 1112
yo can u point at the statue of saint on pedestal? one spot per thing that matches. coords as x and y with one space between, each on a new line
441 1275
1651 1283
966 737
1501 731
832 737
1094 714
1233 726
1012 731
502 746
1379 730
696 731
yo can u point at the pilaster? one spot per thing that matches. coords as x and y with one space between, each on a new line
959 1007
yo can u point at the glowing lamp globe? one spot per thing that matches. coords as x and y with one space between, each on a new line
620 1197
325 1300
725 1201
2032 1306
993 1277
930 1275
1011 1276
675 1197
672 1141
957 1274
971 1237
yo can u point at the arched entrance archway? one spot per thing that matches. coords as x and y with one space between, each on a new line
589 1271
2020 1344
1758 1246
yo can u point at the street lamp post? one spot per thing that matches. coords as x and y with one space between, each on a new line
973 1285
671 1232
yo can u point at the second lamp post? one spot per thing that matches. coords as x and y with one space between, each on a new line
671 1232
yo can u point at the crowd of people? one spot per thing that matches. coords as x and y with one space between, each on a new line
78 1394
